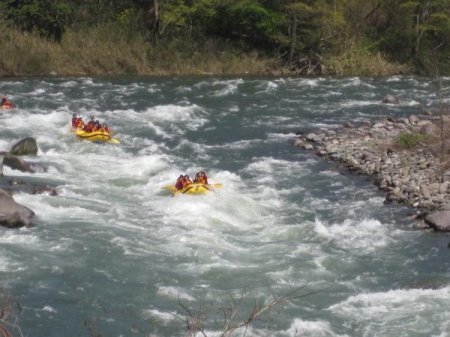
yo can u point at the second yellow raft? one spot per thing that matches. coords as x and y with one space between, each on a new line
193 189
96 136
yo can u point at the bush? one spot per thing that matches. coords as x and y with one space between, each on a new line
409 140
358 60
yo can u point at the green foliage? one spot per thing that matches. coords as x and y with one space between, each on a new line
409 140
48 18
253 22
414 31
343 36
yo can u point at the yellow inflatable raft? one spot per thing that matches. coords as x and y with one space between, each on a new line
96 136
193 189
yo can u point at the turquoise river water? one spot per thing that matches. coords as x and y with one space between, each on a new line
114 254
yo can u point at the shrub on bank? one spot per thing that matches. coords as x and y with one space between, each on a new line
409 140
359 60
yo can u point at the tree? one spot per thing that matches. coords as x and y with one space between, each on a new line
412 30
47 17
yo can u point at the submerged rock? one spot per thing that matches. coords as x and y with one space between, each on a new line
17 163
391 99
12 214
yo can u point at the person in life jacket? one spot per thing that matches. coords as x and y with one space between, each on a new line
74 121
97 126
6 103
77 122
186 181
201 178
80 123
90 126
105 128
180 182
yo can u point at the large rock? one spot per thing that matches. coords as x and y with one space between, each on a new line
440 221
12 214
17 163
25 147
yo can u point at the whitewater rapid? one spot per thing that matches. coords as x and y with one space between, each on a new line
114 252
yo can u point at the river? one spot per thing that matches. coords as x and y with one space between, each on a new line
114 254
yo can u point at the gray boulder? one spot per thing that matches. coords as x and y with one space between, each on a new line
17 163
440 221
25 147
12 214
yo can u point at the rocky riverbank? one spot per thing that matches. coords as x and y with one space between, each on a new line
12 214
405 157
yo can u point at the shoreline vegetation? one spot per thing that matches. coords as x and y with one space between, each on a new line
224 37
106 50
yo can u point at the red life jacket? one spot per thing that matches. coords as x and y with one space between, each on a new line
180 183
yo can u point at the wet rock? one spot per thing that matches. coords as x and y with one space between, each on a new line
312 137
298 142
17 163
421 225
440 221
391 99
348 125
16 181
12 214
25 147
413 119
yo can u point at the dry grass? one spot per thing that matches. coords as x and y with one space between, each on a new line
22 54
108 50
358 61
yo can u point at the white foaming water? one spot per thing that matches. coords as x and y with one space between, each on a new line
420 311
271 87
301 327
230 87
114 238
349 104
362 237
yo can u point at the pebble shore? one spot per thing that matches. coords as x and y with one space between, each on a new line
418 177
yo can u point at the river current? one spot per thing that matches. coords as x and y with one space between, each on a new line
114 254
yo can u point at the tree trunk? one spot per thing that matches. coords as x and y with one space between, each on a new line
156 32
422 15
293 41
